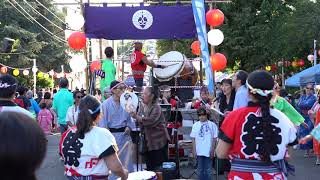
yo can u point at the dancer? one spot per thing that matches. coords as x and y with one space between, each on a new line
89 152
119 122
304 104
256 137
153 126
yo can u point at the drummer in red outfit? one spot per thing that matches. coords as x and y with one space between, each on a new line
204 101
139 64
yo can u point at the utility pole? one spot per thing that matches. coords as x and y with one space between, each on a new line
85 52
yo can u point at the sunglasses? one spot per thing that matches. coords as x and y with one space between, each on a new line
308 88
201 114
79 97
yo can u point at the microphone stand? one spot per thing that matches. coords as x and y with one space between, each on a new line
175 137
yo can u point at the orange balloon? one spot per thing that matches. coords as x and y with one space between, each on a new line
218 62
294 64
95 65
215 17
4 70
77 40
195 46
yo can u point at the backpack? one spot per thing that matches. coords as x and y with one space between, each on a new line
19 102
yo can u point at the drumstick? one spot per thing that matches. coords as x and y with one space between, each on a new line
123 148
216 110
173 64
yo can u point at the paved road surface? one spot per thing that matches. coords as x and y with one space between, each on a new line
52 167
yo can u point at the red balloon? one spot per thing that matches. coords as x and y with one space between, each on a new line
214 17
301 62
77 40
4 70
218 62
195 46
95 65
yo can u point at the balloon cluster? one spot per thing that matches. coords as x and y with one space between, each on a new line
214 18
77 40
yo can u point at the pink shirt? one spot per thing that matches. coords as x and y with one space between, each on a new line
45 120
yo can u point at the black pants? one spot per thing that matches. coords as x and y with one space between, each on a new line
155 158
139 82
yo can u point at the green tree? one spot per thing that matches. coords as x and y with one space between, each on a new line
31 41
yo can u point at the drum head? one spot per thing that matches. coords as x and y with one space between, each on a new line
174 60
142 175
129 101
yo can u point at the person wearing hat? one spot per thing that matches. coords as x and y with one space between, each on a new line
8 88
139 64
118 121
109 69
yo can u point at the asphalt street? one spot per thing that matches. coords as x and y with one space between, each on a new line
52 167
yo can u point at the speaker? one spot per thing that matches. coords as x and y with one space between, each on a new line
7 45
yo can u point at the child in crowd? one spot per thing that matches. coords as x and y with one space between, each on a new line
45 119
204 134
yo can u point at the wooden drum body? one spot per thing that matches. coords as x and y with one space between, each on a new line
178 67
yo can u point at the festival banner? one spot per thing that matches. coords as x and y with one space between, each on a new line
200 21
143 22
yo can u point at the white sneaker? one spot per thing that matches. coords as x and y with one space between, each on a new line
318 162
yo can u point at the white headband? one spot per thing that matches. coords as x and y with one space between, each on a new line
259 91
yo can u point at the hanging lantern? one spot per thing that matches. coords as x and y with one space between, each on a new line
78 63
51 73
95 65
16 72
195 46
77 40
218 62
25 72
319 52
34 70
75 21
274 67
215 37
301 62
287 63
310 58
46 76
40 75
268 68
214 17
294 64
4 70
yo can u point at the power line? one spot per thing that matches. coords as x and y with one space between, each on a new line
58 38
42 15
15 53
27 18
50 35
50 11
20 11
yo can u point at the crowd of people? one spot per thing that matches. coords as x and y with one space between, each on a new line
253 135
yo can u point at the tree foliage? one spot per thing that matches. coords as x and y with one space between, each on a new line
262 32
30 38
